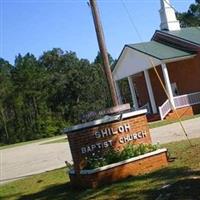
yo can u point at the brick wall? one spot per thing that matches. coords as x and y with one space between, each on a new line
138 167
87 137
185 73
141 89
159 94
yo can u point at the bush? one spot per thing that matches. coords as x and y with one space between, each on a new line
95 161
112 156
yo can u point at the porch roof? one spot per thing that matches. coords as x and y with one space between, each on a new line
135 58
158 50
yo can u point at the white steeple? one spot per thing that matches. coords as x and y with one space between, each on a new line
168 17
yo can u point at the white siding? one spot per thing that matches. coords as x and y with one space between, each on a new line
132 62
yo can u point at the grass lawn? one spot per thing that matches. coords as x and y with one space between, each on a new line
168 121
184 165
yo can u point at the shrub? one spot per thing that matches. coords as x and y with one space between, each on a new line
95 161
112 156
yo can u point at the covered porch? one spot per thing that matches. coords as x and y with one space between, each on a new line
173 65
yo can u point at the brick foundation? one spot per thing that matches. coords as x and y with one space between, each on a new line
184 112
138 167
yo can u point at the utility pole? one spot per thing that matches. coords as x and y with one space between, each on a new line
103 50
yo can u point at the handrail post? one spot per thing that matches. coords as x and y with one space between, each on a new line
160 111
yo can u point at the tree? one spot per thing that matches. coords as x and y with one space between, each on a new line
74 87
28 100
39 97
5 91
191 17
99 60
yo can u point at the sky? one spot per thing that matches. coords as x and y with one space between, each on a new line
36 26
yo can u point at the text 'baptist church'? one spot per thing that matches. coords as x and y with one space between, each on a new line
109 132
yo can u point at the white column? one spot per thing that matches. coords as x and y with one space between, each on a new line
133 94
150 91
168 84
119 97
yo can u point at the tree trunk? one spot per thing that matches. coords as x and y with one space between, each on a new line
5 124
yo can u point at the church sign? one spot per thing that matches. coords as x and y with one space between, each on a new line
100 135
114 132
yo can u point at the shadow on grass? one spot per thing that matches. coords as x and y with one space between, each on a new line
58 192
139 187
183 189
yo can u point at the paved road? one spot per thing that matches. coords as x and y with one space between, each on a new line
37 157
32 159
174 132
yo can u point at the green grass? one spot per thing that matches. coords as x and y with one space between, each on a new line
168 121
56 141
54 185
2 146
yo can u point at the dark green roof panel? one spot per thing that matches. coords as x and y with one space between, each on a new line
158 50
191 34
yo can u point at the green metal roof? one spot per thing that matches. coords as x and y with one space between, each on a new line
191 34
158 50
